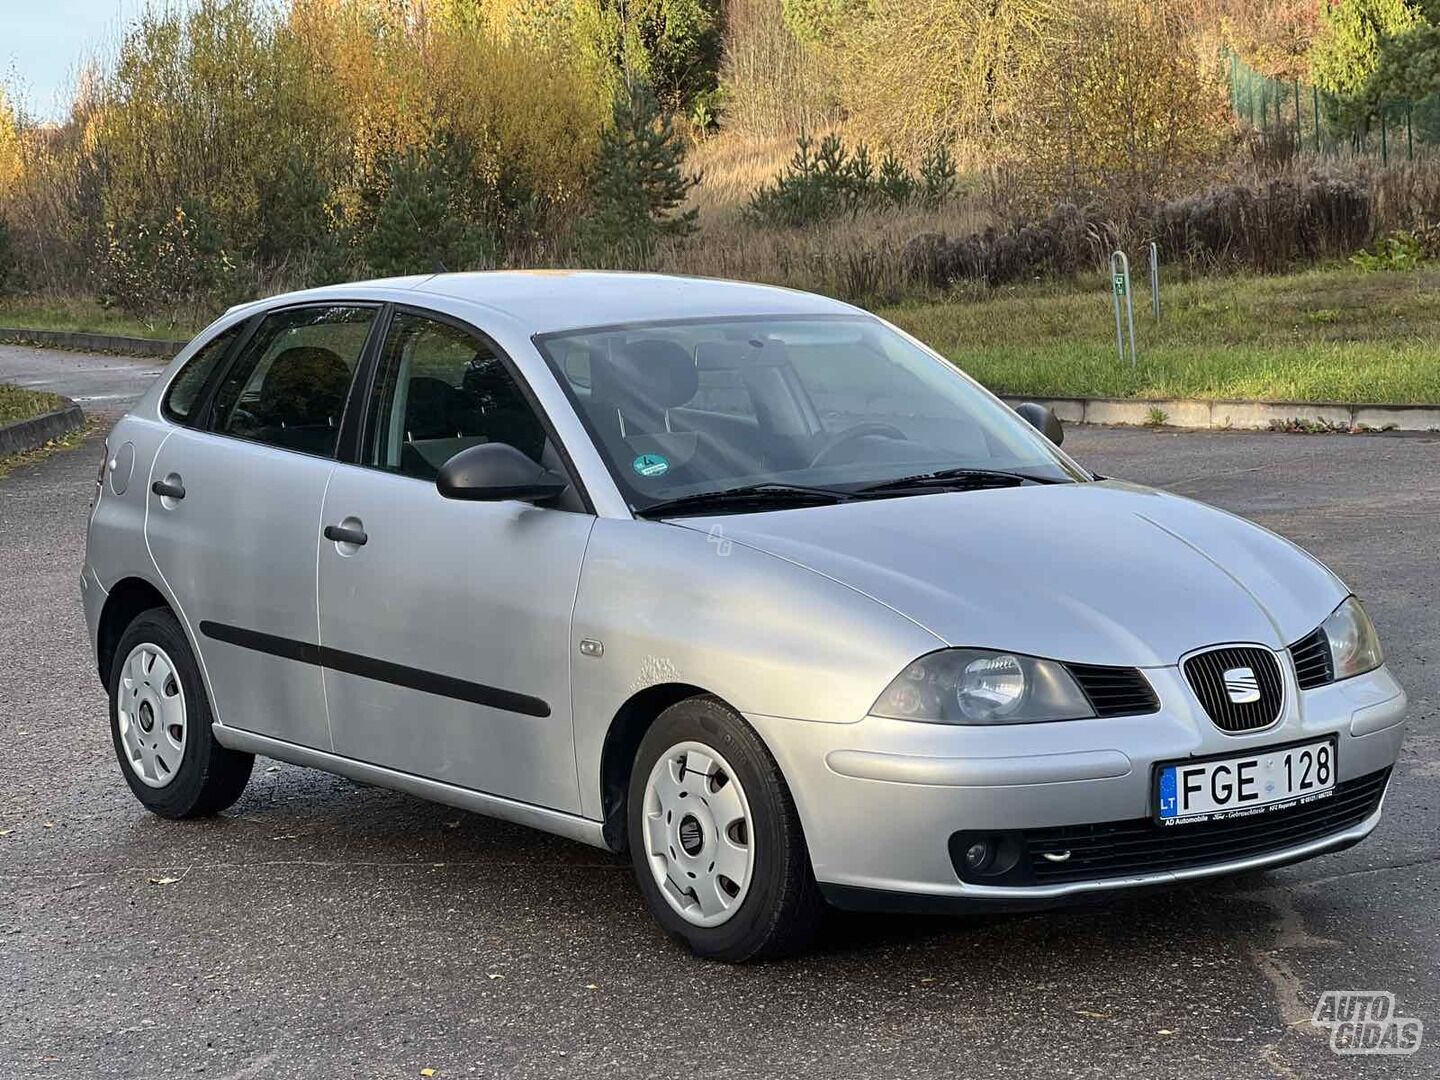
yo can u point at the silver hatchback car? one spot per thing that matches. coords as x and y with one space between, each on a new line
745 582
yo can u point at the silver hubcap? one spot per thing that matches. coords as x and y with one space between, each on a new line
151 708
697 834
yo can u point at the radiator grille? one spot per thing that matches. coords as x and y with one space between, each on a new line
1206 673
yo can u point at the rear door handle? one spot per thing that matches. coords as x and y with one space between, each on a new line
342 534
166 490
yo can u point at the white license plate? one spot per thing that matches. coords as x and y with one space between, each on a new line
1254 783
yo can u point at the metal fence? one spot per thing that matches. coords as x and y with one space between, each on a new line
1299 114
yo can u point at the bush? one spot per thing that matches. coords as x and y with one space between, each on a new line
8 264
830 181
1068 240
145 266
1404 249
1266 226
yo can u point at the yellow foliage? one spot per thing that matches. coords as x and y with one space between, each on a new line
921 72
1129 108
12 164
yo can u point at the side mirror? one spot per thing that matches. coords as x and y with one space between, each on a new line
1043 419
494 471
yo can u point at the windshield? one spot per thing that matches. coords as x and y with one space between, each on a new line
845 403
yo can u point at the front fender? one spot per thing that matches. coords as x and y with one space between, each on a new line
673 605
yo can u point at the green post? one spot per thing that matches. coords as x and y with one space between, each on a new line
1315 99
1384 143
1409 136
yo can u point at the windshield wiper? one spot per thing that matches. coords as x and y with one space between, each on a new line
763 495
958 478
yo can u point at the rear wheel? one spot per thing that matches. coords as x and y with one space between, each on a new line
160 723
715 840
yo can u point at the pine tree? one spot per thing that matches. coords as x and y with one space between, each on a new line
638 184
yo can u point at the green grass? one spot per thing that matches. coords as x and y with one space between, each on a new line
60 313
1335 334
17 403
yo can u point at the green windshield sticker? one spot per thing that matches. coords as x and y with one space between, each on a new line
651 465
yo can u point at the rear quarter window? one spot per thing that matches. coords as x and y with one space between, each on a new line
184 392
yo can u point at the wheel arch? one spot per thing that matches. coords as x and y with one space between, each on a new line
127 599
622 740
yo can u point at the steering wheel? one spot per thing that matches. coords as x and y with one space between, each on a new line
858 431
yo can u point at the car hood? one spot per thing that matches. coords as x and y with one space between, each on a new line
1097 573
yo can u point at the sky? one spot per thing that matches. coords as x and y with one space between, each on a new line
44 42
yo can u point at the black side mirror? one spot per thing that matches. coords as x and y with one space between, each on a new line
1043 419
494 471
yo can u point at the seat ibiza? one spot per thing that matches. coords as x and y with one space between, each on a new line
744 582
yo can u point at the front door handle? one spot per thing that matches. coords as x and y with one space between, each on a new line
343 534
167 489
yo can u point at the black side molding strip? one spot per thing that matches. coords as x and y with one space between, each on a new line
380 670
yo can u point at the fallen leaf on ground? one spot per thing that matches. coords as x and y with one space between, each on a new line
591 986
427 1072
496 975
163 880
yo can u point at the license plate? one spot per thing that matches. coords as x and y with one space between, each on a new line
1260 782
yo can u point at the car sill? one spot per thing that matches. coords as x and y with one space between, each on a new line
569 826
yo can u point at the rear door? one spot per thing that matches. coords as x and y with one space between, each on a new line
234 517
445 625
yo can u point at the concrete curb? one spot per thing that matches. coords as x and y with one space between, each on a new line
25 435
86 342
1241 415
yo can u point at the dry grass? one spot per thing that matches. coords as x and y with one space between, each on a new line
853 258
731 167
17 403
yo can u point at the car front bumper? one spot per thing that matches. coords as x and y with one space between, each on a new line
880 799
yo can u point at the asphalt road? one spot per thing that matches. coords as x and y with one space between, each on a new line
97 383
323 929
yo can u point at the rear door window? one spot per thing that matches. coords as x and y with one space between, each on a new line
289 386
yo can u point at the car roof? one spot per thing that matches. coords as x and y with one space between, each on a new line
544 301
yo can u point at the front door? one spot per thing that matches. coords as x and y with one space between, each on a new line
445 625
234 515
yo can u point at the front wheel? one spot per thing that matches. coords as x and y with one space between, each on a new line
160 724
716 843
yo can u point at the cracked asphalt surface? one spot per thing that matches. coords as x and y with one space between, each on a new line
323 929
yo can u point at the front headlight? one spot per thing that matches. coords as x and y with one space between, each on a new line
1354 645
978 686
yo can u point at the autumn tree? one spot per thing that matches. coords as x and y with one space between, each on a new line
1129 111
917 73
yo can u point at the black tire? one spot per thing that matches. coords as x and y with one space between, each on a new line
782 910
209 777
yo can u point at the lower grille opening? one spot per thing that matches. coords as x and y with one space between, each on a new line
1114 849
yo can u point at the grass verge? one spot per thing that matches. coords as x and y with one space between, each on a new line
1335 334
64 313
17 403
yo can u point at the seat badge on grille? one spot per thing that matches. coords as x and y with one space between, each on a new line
1241 685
